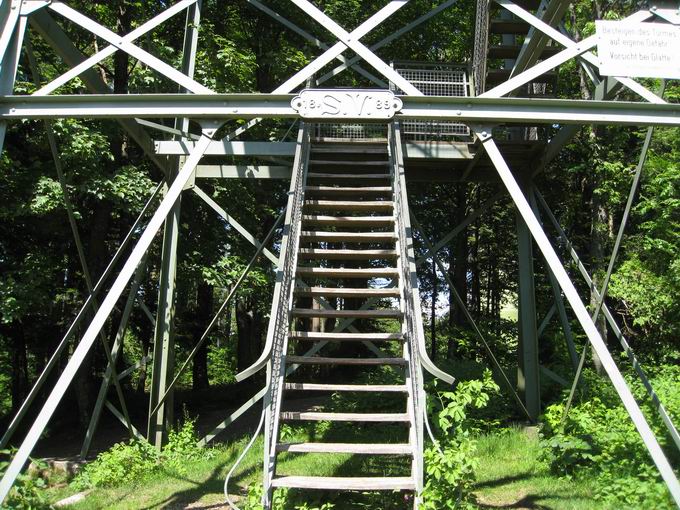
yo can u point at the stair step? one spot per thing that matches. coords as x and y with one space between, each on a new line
363 388
346 292
345 337
345 314
348 237
353 417
337 162
345 177
358 221
341 272
321 360
349 205
350 190
342 483
361 448
349 148
313 253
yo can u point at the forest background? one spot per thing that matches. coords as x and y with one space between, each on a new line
244 50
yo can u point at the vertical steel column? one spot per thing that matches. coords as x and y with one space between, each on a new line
161 416
528 368
11 37
557 295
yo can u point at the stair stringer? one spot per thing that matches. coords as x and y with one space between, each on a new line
282 303
412 324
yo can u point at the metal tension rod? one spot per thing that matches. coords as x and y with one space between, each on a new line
317 42
582 314
68 204
461 304
612 323
219 312
101 316
110 372
387 40
54 359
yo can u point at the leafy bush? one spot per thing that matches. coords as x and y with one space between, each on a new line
598 440
28 491
450 463
122 464
131 461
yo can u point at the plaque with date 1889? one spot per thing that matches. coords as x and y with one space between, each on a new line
346 104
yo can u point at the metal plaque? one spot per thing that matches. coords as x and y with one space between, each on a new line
645 50
346 104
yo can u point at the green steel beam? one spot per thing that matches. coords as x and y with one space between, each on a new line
244 106
528 370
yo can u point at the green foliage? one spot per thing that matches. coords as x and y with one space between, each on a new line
451 462
132 461
123 463
28 492
598 440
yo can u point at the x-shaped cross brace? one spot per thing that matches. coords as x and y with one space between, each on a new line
347 40
125 44
572 49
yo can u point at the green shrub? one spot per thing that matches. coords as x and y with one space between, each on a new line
124 463
28 491
131 461
598 440
450 463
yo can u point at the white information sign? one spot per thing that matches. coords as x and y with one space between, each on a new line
347 104
645 50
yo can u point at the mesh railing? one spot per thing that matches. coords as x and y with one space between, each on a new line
351 131
283 291
434 80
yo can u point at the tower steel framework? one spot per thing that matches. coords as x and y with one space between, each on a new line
181 159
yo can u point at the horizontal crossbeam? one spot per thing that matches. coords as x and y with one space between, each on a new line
240 106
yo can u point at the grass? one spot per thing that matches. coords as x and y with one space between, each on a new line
510 475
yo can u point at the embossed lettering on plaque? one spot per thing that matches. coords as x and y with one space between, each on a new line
346 104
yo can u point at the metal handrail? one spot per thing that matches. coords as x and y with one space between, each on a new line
285 273
409 276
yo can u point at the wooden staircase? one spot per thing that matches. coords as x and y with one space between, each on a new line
347 272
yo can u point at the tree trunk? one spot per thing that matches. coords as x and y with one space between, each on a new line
204 307
249 331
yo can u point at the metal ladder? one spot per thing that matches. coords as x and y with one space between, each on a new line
347 221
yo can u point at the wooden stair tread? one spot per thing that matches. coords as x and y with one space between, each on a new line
352 237
367 190
334 337
320 175
317 253
349 205
348 220
369 162
360 448
353 417
322 360
363 388
341 314
349 148
347 292
343 483
341 272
